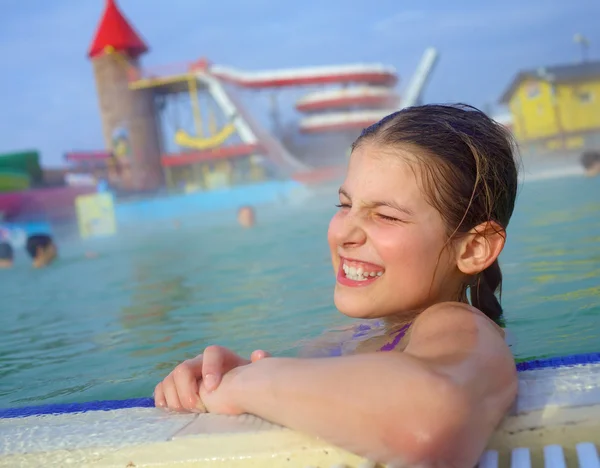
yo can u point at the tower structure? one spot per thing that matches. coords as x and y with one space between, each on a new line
129 118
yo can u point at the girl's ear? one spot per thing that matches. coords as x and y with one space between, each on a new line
480 247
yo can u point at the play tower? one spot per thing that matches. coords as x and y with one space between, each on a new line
129 122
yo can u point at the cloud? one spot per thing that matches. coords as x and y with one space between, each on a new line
488 18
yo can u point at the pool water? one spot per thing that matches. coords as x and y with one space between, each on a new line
112 326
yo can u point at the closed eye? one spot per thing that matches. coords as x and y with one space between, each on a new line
344 205
387 218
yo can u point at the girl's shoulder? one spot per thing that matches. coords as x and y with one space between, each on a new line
456 316
459 328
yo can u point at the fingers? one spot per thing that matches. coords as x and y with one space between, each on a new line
159 397
216 362
259 354
170 392
185 379
179 390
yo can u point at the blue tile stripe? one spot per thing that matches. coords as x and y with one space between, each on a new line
107 405
561 361
103 405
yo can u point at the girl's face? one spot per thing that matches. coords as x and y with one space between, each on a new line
388 244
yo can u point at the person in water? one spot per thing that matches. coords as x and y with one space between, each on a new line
41 249
421 221
591 163
246 216
6 255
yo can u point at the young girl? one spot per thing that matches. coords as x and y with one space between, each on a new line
422 219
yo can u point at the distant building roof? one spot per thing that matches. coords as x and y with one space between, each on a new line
557 73
115 31
79 156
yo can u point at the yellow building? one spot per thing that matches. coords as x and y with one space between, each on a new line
556 107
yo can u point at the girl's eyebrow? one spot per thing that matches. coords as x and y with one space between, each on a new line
375 204
391 204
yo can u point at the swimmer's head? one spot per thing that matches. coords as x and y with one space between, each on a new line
6 255
591 162
41 249
246 216
423 210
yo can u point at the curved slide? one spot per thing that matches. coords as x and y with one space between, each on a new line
359 107
306 76
360 95
376 80
364 87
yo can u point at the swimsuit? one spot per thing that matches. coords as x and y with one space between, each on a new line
362 329
399 335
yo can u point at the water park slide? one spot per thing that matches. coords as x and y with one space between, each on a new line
251 131
554 423
357 108
353 107
21 164
218 78
375 91
19 170
304 76
364 94
346 108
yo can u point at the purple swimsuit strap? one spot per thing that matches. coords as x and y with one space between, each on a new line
399 335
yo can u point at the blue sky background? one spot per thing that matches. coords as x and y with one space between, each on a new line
47 88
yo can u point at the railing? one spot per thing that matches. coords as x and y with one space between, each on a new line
554 457
162 71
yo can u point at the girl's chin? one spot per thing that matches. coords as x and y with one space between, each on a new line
355 310
364 308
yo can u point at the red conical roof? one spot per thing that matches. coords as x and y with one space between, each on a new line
115 31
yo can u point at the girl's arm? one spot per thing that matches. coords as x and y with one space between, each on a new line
439 401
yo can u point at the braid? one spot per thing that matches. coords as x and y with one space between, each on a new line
483 293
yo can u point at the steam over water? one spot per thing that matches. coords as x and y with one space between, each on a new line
112 326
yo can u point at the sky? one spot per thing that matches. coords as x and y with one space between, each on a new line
47 87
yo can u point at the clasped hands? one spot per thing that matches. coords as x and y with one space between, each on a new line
203 384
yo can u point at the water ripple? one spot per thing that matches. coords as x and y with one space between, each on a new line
111 327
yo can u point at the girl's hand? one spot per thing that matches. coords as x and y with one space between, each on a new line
222 400
179 391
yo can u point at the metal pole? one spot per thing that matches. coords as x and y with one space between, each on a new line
584 44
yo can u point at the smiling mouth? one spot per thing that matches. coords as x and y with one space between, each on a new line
359 271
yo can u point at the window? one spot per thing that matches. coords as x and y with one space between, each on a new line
532 90
585 97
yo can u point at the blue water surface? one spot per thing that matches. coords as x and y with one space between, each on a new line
114 315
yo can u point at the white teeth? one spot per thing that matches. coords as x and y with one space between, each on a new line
358 273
